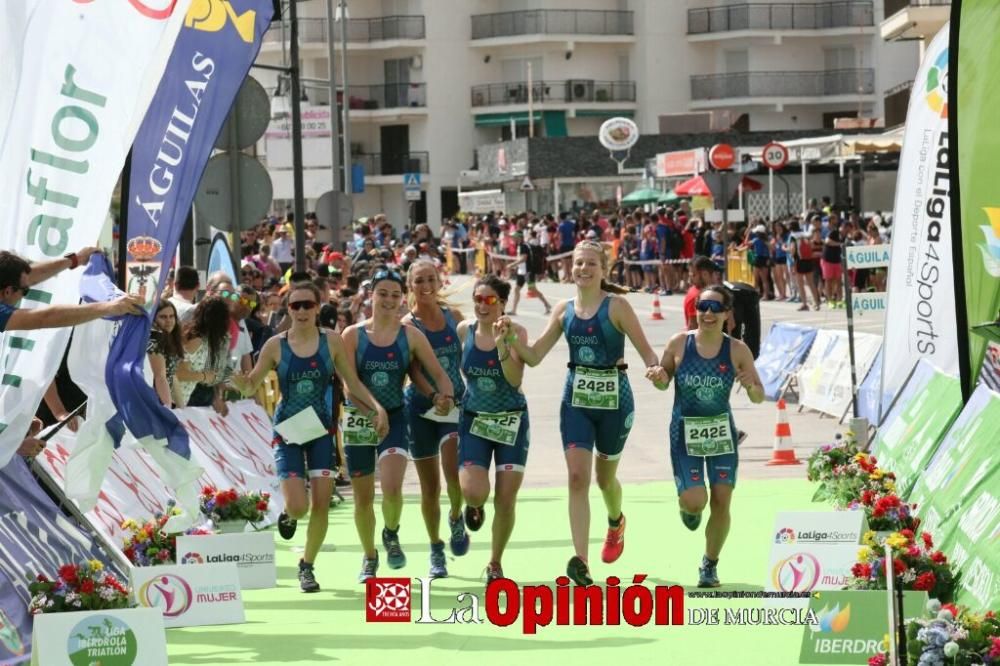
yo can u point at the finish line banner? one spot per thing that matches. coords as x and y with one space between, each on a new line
235 452
920 315
75 83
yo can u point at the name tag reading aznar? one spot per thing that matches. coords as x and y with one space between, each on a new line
500 428
595 389
357 429
708 435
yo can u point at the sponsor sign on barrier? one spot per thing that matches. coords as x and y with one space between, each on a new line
868 393
123 637
235 452
851 625
924 409
964 458
252 553
825 376
190 596
783 350
805 528
795 567
862 302
867 256
973 542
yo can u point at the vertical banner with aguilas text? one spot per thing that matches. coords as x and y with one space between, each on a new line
976 210
75 81
920 321
216 46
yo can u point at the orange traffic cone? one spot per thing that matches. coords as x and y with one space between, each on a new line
783 453
657 315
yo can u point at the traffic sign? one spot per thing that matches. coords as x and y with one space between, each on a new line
216 202
774 155
527 185
252 111
721 156
411 186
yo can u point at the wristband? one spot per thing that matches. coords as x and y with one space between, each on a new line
74 260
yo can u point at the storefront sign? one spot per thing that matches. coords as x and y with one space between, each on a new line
680 163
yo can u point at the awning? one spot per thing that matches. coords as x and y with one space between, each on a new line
697 187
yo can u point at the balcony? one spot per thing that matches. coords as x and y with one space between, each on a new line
386 102
540 25
781 17
367 33
554 93
781 87
914 19
392 164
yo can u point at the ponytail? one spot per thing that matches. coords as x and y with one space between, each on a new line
613 288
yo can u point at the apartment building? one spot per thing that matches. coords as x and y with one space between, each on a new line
430 80
909 20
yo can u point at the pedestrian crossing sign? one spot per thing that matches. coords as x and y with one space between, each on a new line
411 181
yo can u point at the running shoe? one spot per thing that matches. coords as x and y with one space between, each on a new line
394 552
439 567
286 526
307 579
690 520
578 571
708 575
493 572
474 517
459 541
369 567
614 543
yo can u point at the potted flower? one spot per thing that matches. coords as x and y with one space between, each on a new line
821 464
887 514
951 635
915 565
147 544
230 510
77 587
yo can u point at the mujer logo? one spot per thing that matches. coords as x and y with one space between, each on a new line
157 10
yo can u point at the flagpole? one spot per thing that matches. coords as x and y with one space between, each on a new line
958 260
120 265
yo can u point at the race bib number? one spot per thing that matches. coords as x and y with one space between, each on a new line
357 429
501 428
595 389
708 435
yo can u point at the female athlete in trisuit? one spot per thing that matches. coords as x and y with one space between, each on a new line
597 405
305 358
704 363
382 349
434 443
494 421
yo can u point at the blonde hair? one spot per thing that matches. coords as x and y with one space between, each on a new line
441 297
599 248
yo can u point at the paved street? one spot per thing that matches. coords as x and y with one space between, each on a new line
646 455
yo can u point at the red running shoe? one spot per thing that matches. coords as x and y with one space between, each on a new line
614 543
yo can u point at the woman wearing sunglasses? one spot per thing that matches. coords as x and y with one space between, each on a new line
434 443
494 420
705 363
382 349
597 405
306 358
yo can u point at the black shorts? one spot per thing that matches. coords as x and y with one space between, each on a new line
520 280
761 262
805 266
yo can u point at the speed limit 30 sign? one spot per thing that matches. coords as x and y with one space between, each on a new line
774 155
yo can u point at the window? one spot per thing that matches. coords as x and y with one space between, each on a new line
840 57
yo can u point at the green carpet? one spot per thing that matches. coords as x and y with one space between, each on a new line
285 626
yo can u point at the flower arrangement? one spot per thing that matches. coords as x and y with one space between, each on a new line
77 587
226 505
148 543
820 465
887 513
847 482
915 564
951 635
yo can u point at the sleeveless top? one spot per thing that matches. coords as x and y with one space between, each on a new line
383 369
593 342
305 381
448 350
488 389
703 384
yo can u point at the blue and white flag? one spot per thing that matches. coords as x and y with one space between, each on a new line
213 53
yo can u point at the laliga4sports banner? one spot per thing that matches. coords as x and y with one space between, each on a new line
213 52
920 319
976 211
76 80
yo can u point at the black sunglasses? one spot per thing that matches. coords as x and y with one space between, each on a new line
715 307
387 275
302 305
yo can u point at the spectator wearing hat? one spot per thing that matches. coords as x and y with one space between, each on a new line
282 248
